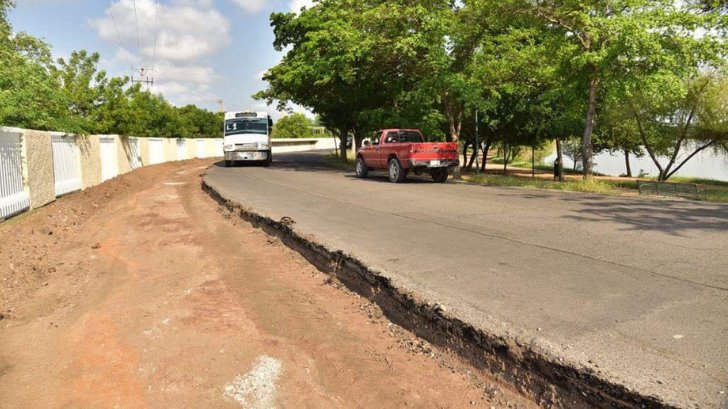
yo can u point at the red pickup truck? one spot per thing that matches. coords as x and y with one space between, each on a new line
403 150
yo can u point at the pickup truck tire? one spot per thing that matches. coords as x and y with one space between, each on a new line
439 175
361 168
396 173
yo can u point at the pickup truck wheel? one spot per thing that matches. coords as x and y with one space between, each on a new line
361 168
396 173
439 175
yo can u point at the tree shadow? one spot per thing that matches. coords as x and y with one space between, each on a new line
672 217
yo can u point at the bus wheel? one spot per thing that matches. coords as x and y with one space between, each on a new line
228 163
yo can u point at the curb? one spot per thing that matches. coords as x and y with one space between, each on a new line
534 374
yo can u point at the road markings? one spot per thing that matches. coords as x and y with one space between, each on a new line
257 388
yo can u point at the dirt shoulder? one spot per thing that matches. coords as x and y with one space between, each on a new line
143 292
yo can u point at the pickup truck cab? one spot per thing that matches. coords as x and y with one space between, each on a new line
400 151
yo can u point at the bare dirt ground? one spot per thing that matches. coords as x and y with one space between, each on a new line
143 292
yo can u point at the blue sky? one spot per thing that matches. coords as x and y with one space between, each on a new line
205 50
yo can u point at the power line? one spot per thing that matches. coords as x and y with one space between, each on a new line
116 29
136 21
156 32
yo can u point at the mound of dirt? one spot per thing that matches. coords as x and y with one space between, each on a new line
27 239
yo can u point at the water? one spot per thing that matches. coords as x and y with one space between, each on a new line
707 165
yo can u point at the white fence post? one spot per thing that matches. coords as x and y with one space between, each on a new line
13 196
66 164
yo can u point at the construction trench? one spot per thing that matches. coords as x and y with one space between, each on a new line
533 374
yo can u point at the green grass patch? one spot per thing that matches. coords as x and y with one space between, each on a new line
699 181
587 185
334 160
711 195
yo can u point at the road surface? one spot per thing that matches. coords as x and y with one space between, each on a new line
634 288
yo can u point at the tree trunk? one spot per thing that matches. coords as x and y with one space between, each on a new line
472 159
505 160
465 153
533 162
560 159
626 162
485 156
455 120
591 113
343 135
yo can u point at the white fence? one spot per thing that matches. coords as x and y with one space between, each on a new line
13 196
135 153
181 149
156 151
201 151
109 158
66 164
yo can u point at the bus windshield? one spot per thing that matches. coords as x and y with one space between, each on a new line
245 125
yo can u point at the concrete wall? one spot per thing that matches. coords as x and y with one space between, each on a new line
144 147
39 177
90 150
123 153
39 160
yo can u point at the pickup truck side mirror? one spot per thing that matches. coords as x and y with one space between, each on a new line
367 143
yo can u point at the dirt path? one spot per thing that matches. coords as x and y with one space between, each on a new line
159 299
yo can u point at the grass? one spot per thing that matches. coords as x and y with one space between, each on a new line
588 185
334 160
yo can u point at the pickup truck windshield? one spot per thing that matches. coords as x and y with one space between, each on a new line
404 137
240 126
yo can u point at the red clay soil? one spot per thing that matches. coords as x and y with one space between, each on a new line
143 292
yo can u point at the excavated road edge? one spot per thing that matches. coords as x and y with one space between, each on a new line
540 376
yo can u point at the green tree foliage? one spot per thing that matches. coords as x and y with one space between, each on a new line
293 126
73 95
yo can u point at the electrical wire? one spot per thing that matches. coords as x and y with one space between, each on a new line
116 29
136 21
156 32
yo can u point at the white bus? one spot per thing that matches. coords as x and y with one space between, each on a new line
247 137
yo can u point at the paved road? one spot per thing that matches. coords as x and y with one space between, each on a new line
635 288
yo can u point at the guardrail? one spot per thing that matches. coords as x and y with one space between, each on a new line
689 190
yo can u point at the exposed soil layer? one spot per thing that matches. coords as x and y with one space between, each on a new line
144 292
540 376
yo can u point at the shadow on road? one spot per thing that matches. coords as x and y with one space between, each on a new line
670 217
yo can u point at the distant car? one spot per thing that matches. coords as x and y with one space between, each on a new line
400 151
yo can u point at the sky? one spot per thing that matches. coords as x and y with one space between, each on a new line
205 50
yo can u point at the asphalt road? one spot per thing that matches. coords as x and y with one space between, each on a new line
634 288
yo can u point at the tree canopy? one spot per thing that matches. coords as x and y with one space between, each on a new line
533 70
74 95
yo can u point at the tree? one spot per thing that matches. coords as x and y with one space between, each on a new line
295 125
673 116
608 40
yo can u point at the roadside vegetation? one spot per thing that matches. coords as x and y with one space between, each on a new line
639 77
73 95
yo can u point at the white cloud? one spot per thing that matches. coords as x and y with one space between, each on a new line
187 32
296 5
251 6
